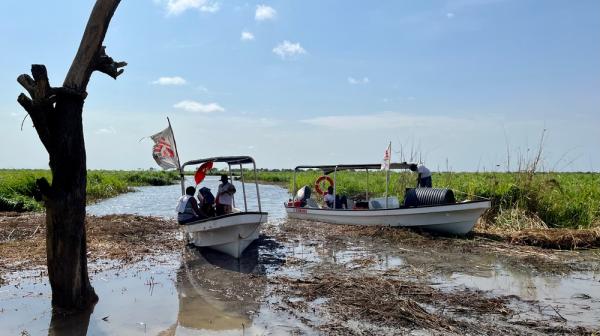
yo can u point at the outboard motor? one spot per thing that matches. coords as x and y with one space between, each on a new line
302 195
428 196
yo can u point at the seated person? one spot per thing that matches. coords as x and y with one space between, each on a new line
206 201
330 200
187 208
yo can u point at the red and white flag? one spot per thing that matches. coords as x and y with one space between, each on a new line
163 151
387 158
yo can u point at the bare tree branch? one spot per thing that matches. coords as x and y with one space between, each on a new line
87 56
107 65
28 83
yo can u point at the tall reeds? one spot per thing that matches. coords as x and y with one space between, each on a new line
18 188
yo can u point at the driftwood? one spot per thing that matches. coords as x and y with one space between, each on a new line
56 113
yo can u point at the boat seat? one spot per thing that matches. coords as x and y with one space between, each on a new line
374 204
311 203
379 203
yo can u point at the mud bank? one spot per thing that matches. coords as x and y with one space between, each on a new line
120 238
302 278
347 280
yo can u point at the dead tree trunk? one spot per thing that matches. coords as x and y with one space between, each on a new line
56 114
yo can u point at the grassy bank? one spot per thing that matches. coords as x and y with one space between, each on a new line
519 200
18 189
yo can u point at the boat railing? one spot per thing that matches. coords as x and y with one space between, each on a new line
230 161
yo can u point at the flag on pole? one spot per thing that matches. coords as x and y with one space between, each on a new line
164 151
387 158
202 171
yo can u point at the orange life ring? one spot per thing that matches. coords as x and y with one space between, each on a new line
318 184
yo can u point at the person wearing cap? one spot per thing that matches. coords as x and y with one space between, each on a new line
225 196
424 175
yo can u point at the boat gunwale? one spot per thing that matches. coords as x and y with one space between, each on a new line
225 216
388 209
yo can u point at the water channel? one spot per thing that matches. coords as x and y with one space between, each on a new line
191 292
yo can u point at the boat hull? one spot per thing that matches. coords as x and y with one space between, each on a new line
459 218
230 234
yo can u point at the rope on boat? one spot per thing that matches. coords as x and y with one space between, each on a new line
473 195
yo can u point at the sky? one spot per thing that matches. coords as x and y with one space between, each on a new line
463 85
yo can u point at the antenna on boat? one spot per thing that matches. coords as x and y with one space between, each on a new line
387 172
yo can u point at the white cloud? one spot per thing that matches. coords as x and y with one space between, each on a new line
247 36
264 12
176 7
194 106
288 49
176 80
109 130
210 7
385 120
354 81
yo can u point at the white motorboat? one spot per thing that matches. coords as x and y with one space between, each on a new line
425 208
230 233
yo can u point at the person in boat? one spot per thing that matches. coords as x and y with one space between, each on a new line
336 201
187 208
207 201
423 177
225 196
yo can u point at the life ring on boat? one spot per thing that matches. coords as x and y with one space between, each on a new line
319 181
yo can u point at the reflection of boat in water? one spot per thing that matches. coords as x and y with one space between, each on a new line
218 294
424 208
229 233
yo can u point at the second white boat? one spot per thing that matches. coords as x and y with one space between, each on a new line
429 209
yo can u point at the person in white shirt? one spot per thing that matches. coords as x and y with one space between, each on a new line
225 196
332 201
328 198
423 177
187 208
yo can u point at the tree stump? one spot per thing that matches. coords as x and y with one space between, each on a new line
56 113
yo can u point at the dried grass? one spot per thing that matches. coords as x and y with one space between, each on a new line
126 238
561 239
542 236
392 303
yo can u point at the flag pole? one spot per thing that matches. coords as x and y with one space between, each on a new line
177 154
387 174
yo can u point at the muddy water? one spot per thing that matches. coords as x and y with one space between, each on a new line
567 298
161 201
192 292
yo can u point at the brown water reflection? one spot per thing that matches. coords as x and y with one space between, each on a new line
70 325
217 292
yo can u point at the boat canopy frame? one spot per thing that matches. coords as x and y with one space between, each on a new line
328 169
230 161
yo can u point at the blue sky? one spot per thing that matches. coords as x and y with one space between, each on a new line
309 82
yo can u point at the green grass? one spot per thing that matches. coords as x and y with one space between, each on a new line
18 188
569 200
